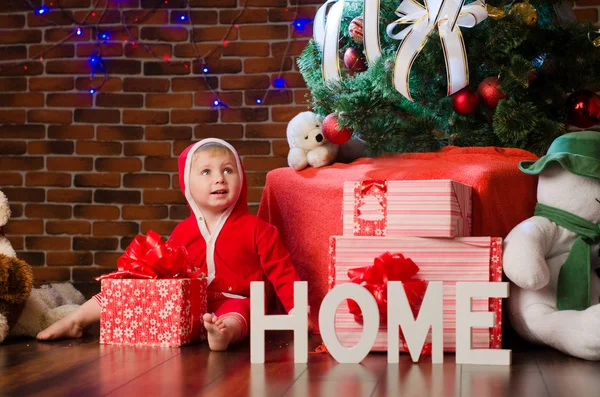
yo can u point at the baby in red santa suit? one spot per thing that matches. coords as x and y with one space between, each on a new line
231 246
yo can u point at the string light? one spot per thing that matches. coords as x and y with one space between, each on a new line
279 82
300 24
97 62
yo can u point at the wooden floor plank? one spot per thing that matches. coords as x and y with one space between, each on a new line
568 376
50 368
111 371
522 378
183 375
15 351
325 377
83 367
273 378
422 379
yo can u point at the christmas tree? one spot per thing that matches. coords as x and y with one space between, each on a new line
529 75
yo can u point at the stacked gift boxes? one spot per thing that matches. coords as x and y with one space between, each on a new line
428 222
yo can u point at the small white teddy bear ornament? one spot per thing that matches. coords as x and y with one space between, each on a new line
307 144
552 257
25 311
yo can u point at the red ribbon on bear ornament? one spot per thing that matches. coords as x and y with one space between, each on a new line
149 257
389 267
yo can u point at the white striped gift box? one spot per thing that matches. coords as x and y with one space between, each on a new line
427 208
474 259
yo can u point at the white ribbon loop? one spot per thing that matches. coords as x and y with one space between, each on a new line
319 24
446 15
371 30
327 35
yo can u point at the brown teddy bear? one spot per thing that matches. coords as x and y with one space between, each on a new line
24 310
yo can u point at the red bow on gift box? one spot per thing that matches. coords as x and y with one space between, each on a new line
366 185
387 267
150 257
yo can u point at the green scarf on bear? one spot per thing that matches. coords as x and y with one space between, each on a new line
573 291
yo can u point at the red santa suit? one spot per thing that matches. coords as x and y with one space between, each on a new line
241 248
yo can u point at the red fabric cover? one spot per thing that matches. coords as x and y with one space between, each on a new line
246 249
306 206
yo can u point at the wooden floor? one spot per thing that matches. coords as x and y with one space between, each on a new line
86 368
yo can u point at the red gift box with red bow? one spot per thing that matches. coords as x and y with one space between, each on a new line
153 299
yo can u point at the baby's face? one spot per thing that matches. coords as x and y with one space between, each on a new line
214 181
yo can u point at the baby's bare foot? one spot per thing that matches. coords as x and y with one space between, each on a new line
65 328
218 333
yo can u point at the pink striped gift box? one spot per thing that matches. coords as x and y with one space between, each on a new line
447 260
422 208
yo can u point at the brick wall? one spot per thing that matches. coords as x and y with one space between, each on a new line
86 173
587 10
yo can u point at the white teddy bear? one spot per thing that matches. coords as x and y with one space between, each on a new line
39 307
307 144
552 258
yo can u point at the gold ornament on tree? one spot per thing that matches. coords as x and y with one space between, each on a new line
495 12
523 11
594 40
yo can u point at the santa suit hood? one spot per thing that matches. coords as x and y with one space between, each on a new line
241 248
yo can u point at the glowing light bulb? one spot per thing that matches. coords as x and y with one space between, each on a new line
92 91
205 70
259 101
279 82
78 31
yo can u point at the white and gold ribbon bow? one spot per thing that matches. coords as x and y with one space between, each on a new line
448 16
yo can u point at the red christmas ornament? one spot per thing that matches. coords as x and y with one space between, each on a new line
465 101
595 106
356 29
583 109
489 93
332 131
354 61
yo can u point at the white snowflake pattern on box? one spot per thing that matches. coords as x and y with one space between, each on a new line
160 312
